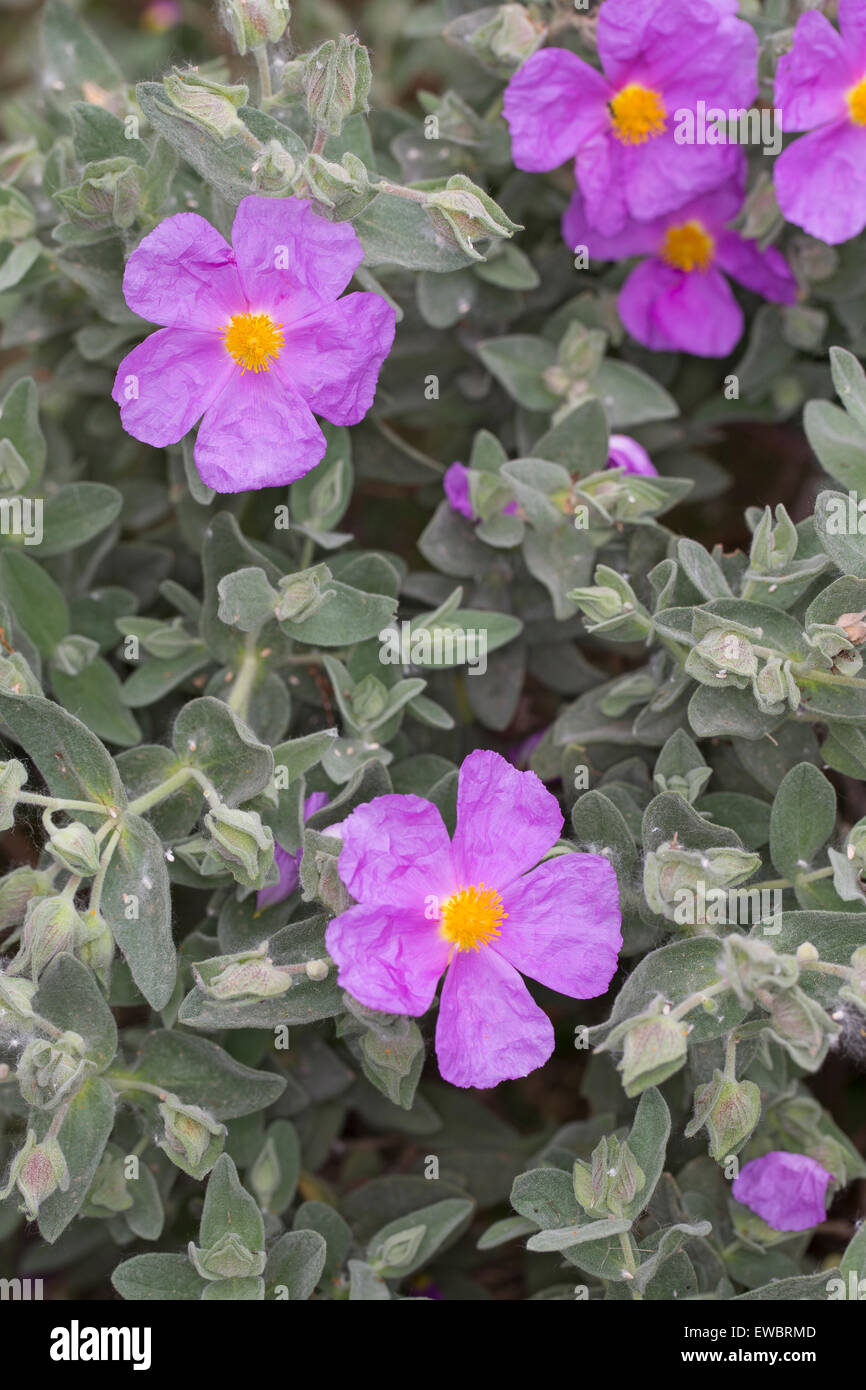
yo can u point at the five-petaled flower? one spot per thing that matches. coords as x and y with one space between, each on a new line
787 1190
481 907
255 340
821 87
678 300
660 58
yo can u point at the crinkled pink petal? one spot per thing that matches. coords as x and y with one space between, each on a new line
821 182
634 239
333 357
787 1190
388 958
291 260
646 44
563 924
766 272
661 176
257 433
456 487
166 383
506 821
489 1028
670 310
183 273
396 851
812 78
599 174
625 452
852 22
552 104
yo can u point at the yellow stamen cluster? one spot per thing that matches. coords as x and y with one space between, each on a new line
638 114
253 340
856 99
471 917
688 247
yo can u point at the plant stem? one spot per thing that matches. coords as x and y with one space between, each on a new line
242 689
628 1261
261 56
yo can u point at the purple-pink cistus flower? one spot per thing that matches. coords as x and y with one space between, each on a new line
255 339
821 87
480 908
288 862
788 1191
660 58
678 299
625 452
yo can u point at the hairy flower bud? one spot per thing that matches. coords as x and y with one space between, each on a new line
227 1258
337 79
75 848
803 1028
109 1190
16 1003
108 195
773 546
654 1047
500 37
301 595
50 927
191 1137
463 213
275 169
49 1071
752 968
266 1174
344 187
38 1170
368 700
729 1110
252 23
686 885
610 1181
248 974
241 842
94 943
211 105
774 687
13 775
723 657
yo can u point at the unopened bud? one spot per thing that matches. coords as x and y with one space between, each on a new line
266 1174
191 1138
252 23
49 1071
610 1181
317 969
49 928
227 1258
337 79
654 1047
13 775
108 195
16 1002
500 40
463 213
38 1170
75 848
301 595
344 187
211 105
248 974
730 1110
241 841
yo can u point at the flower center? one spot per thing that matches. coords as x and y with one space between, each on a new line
688 247
856 99
253 340
470 918
638 114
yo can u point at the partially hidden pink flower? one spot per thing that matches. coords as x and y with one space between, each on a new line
625 452
787 1190
659 59
288 862
456 486
255 339
821 87
678 299
480 907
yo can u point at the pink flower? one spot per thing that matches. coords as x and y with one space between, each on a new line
480 907
678 299
625 452
788 1191
255 339
660 58
821 87
288 862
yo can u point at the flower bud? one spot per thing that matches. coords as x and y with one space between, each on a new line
801 1026
730 1110
682 884
301 595
654 1047
581 351
317 969
75 848
109 1190
49 1071
266 1175
345 187
49 928
462 213
38 1170
211 105
500 39
611 607
13 775
774 687
610 1181
248 974
751 967
192 1138
368 700
227 1258
773 546
853 992
337 79
94 943
275 169
252 23
17 218
108 195
723 657
240 841
74 654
